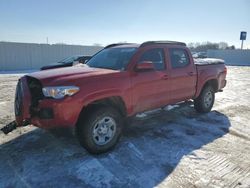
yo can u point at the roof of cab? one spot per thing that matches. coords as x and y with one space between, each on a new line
126 45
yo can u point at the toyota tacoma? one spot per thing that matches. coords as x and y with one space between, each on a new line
118 82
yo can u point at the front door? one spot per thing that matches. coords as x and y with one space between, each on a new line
150 88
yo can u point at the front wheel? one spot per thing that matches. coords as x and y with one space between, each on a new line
205 101
100 129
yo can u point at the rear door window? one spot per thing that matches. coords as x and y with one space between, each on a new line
179 58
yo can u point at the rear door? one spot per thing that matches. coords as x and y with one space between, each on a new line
182 75
150 88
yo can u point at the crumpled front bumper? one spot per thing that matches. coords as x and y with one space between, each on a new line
47 113
22 102
52 113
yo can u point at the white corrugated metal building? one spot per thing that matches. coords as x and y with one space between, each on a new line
27 56
231 57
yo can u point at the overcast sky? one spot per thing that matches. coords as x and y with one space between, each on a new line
109 21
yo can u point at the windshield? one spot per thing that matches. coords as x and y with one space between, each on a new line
112 58
69 59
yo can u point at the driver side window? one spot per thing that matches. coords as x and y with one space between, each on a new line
156 56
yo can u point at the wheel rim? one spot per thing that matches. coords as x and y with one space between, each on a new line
208 99
104 130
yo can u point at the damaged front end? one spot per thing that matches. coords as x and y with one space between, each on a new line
28 94
33 107
22 101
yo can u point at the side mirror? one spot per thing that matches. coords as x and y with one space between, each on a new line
145 66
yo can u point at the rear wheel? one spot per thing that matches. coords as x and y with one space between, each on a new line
100 129
205 101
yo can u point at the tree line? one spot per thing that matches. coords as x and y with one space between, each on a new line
204 46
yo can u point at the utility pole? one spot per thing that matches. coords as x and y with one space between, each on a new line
242 44
243 36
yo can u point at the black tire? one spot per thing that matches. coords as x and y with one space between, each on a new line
90 122
202 104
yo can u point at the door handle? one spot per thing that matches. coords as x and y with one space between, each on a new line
190 73
164 77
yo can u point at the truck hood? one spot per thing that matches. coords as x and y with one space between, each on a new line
69 73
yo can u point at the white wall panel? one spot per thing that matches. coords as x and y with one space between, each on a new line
232 57
24 56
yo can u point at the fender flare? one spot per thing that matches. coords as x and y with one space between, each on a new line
115 96
201 85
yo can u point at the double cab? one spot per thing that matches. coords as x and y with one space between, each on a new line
118 82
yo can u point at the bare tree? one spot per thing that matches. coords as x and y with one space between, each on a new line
204 46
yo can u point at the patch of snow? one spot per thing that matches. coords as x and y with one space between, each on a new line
208 61
141 115
113 157
153 111
93 173
144 114
170 107
136 150
2 103
80 65
17 73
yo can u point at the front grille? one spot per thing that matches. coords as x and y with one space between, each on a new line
35 88
18 99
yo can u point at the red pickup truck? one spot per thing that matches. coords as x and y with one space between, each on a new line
119 81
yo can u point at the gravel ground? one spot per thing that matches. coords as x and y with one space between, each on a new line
172 147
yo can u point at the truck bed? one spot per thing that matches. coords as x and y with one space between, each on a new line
210 69
208 61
